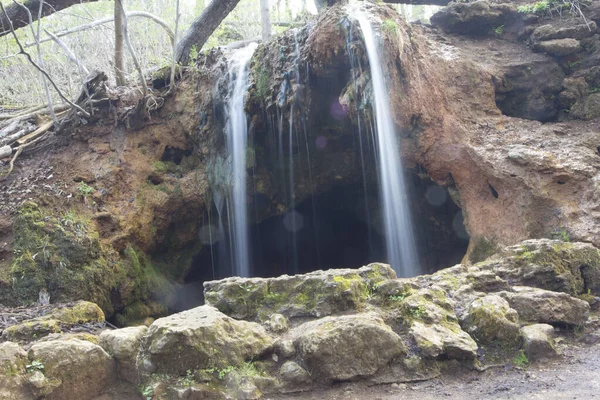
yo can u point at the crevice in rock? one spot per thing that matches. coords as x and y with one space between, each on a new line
175 155
494 191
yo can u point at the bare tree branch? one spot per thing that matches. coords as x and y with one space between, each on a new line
107 20
36 36
16 16
82 69
22 51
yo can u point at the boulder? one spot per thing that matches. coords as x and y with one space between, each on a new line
13 360
123 345
293 374
538 305
526 87
277 323
285 349
72 369
549 264
316 294
570 31
433 324
79 313
574 89
537 341
201 338
587 108
436 340
346 347
559 47
475 19
492 322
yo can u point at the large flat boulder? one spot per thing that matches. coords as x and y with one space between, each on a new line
200 338
475 19
435 340
346 347
81 312
71 370
549 264
568 31
316 294
559 47
544 306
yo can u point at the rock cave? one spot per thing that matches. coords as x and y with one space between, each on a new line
358 205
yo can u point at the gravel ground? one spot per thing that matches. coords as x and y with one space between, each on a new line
575 375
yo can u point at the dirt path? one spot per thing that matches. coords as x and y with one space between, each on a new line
576 375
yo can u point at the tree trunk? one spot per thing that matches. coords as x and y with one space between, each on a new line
265 19
19 17
119 42
203 27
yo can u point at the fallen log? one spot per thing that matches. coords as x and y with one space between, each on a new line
37 133
18 135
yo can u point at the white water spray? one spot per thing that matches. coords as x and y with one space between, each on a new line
237 142
400 242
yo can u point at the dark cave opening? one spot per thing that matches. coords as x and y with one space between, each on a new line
340 228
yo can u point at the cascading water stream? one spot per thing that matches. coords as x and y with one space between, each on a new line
237 142
400 242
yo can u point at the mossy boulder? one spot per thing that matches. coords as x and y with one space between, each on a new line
72 369
347 347
437 340
537 305
13 362
315 294
492 322
549 264
62 254
200 338
81 312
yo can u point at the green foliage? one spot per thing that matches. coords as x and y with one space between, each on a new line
247 369
499 30
548 6
399 297
84 190
147 392
193 55
418 312
35 366
560 234
389 26
262 79
521 360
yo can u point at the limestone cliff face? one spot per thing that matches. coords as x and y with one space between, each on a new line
506 118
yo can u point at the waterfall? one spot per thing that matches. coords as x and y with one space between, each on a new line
237 142
400 242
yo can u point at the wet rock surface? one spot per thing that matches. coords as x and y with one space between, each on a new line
468 316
